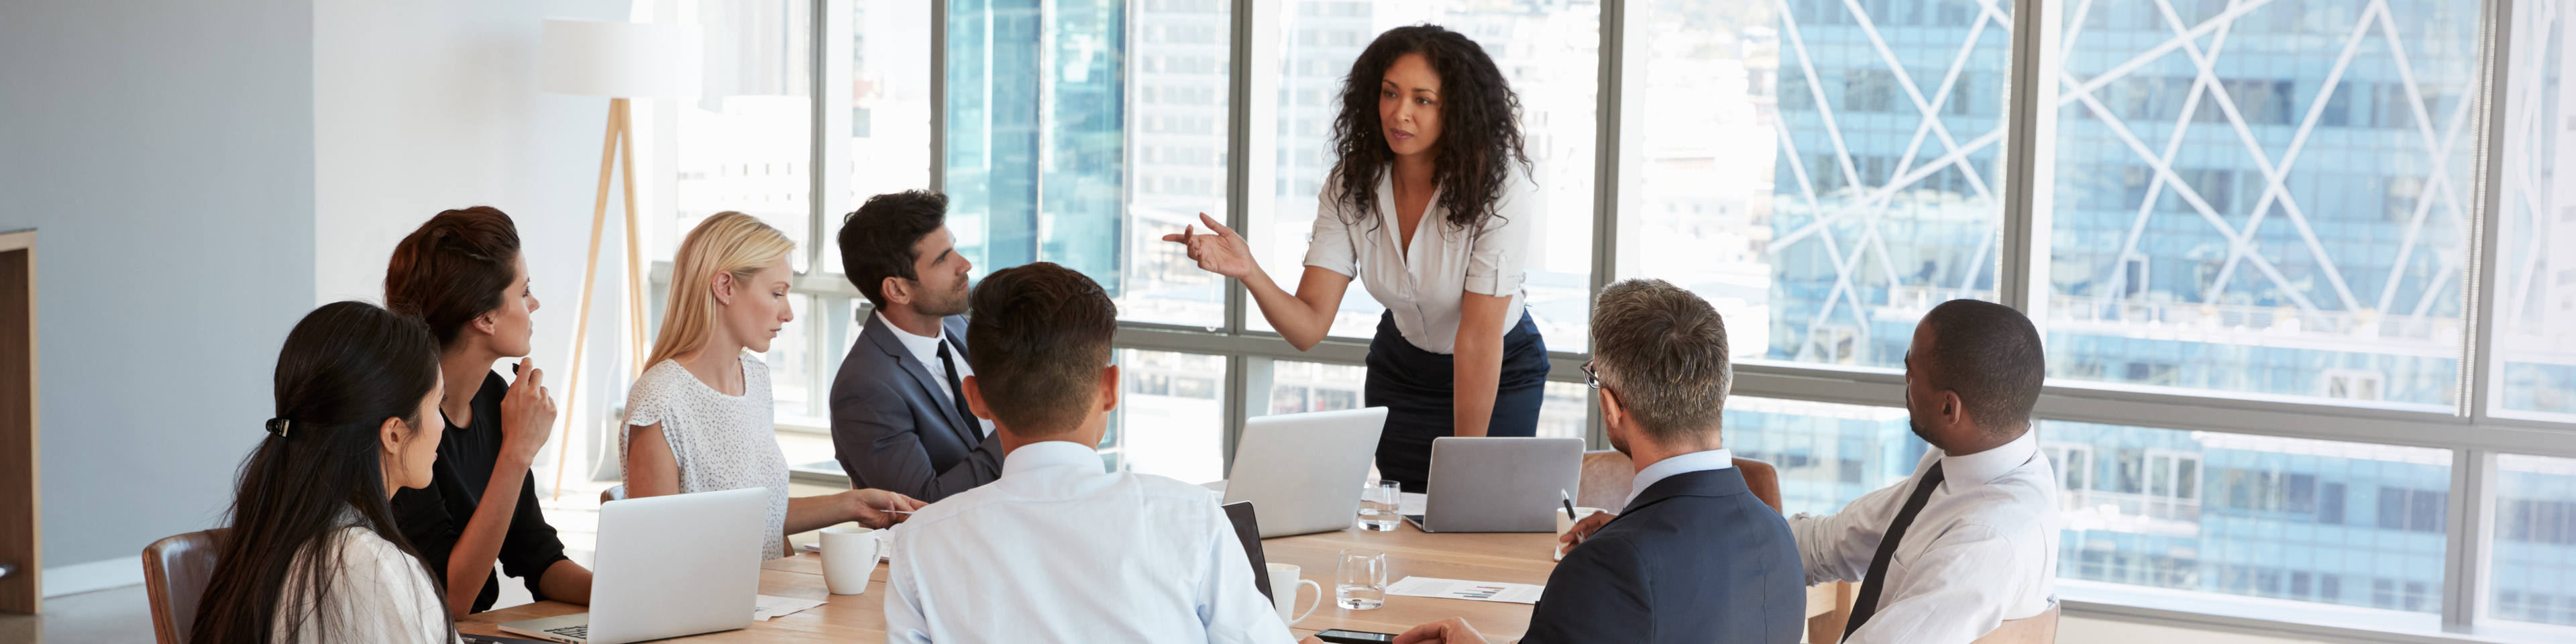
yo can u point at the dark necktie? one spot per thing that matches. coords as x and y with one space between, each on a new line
1867 603
974 431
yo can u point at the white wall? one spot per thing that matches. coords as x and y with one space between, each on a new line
427 106
164 152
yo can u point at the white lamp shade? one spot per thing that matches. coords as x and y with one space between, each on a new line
620 59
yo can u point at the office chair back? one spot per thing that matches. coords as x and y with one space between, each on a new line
174 574
1607 475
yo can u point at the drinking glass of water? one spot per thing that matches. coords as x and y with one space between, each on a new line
1361 581
1379 503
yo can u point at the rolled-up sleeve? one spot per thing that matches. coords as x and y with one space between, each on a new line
1329 246
1498 251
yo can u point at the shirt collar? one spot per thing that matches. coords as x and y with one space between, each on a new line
1044 454
921 344
1716 459
1984 467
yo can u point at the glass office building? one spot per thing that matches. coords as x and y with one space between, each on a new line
2264 199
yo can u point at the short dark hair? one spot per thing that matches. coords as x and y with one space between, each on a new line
453 269
1039 336
876 240
1664 352
1990 355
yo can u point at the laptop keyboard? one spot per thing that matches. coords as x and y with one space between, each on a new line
581 632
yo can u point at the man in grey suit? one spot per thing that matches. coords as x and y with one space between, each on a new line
897 421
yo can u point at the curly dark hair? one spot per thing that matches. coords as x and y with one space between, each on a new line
1479 130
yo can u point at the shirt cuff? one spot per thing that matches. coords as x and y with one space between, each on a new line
1495 285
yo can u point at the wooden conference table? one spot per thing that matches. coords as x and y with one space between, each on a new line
1513 558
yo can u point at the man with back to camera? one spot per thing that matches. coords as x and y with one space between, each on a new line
1970 540
897 421
1660 363
1057 550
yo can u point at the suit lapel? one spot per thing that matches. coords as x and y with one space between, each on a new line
953 327
882 335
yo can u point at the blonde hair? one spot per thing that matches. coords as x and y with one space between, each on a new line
727 242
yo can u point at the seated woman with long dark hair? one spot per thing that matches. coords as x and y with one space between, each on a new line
312 554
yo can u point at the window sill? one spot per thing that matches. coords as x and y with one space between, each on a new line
2284 618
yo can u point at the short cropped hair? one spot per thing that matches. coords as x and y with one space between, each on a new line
453 269
1663 351
1990 355
877 239
1039 336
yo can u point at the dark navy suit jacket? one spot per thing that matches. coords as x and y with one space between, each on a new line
1696 558
894 427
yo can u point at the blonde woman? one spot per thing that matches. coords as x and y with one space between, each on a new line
699 418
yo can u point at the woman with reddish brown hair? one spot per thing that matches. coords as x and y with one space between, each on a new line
462 274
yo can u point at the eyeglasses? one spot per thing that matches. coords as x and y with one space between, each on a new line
1591 377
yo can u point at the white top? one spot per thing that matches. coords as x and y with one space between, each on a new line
926 349
382 594
1982 550
1716 459
720 442
1422 287
1059 551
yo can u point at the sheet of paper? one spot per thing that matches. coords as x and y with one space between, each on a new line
771 606
1411 503
1483 591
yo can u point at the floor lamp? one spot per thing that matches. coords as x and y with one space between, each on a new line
622 61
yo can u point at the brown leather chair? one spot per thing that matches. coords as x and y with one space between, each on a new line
174 574
1607 474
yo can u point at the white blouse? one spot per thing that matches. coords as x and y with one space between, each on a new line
380 594
719 442
1423 287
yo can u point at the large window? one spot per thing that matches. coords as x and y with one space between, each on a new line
2284 518
1821 171
2265 198
2303 266
2535 539
2535 289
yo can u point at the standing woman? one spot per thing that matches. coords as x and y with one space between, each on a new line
699 420
462 274
1429 205
312 554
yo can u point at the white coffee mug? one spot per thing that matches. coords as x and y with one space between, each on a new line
849 558
1565 523
1284 582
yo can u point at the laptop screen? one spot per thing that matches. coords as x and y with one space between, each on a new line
1249 530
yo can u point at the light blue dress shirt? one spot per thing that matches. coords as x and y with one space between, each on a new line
1716 459
1059 551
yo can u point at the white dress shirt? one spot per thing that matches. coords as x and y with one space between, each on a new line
1716 459
926 349
1059 551
1422 285
1982 550
379 594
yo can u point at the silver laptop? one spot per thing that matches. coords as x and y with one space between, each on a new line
1499 484
1305 470
668 566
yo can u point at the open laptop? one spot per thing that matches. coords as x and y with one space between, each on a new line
668 566
1499 484
1305 470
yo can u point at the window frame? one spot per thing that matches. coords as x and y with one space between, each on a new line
2473 434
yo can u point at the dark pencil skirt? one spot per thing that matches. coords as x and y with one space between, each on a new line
1416 388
